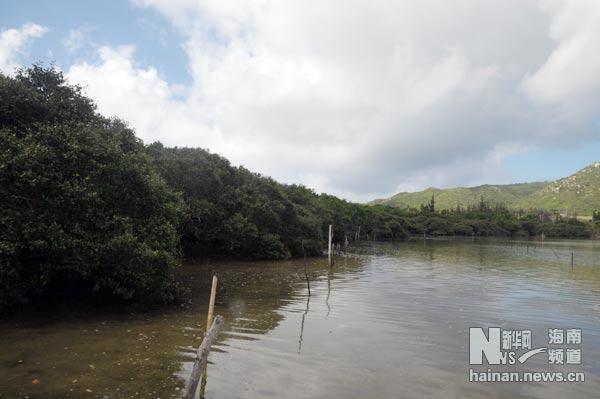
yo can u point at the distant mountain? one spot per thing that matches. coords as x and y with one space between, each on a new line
578 193
509 194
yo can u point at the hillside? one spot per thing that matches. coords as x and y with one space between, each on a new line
450 198
578 193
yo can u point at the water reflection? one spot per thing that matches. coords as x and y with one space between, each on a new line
302 324
388 320
329 277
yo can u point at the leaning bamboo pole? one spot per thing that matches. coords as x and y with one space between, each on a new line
202 357
209 320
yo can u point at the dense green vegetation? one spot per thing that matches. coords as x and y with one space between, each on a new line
234 212
87 210
496 220
578 194
82 208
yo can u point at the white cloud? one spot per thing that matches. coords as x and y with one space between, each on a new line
138 95
571 73
76 38
475 169
14 43
357 98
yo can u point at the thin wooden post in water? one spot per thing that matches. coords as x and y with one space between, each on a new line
572 260
202 357
329 246
209 320
211 305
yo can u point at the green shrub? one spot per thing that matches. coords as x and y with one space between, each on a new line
81 206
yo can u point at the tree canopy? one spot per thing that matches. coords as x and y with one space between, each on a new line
87 209
82 207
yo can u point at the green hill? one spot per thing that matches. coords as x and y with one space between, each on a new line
450 198
578 193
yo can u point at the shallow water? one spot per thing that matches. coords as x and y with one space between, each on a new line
387 321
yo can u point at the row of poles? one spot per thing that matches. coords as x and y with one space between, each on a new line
555 254
215 324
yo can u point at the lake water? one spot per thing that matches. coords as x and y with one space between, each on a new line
387 321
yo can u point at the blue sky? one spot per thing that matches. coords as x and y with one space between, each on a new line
364 100
549 164
103 23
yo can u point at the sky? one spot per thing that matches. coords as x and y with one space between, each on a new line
360 99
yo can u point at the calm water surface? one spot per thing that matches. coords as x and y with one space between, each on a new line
387 321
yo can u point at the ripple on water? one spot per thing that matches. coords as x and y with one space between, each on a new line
387 321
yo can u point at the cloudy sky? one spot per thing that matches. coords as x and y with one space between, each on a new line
357 98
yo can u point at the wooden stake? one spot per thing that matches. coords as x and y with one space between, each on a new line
202 357
329 246
572 260
211 305
209 322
